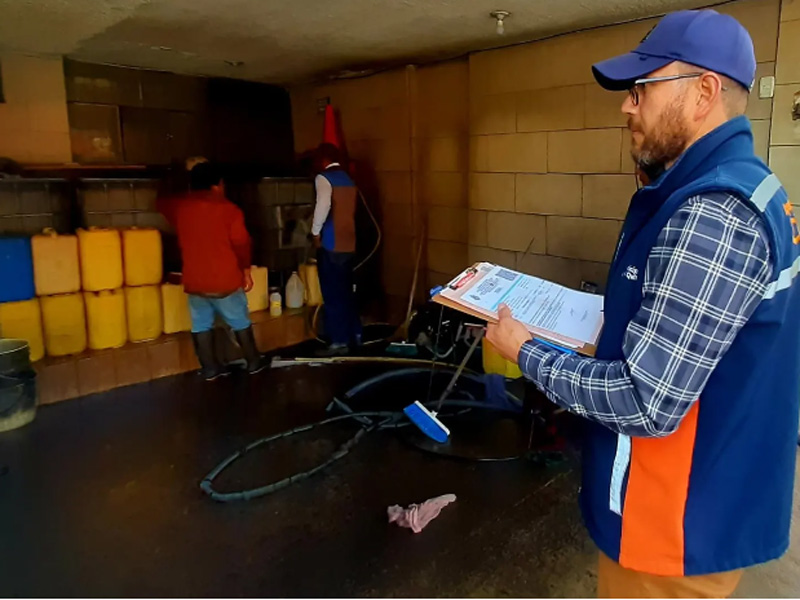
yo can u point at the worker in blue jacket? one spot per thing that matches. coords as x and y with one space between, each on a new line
693 393
334 231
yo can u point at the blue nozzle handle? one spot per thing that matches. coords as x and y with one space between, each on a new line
555 346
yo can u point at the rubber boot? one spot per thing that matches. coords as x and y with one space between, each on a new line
247 342
204 348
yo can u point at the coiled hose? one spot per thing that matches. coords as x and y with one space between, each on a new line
369 421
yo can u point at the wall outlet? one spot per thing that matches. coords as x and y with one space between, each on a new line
766 87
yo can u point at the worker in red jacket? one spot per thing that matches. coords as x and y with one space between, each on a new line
215 248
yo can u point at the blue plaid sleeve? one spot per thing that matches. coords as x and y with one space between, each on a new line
705 276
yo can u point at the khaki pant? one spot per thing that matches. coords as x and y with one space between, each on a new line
615 581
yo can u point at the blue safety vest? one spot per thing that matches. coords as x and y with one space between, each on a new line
715 495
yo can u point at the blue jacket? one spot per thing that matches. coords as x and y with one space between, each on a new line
339 229
715 495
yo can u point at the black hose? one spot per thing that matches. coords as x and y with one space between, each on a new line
206 484
389 420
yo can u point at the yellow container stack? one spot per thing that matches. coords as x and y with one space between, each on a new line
97 289
143 309
105 317
142 256
175 304
101 259
23 320
56 266
257 298
64 322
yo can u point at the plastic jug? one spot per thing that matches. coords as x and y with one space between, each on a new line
56 266
105 319
175 305
310 278
16 269
23 320
495 364
275 304
257 297
142 256
101 259
295 290
143 309
64 322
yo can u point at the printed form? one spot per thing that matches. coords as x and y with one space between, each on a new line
538 303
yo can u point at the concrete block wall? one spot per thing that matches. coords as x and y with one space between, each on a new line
33 119
550 168
441 168
784 151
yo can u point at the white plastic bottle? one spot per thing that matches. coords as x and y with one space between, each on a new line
295 291
275 304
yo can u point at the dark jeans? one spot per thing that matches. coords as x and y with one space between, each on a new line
342 324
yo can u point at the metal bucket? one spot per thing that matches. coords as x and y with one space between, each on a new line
17 385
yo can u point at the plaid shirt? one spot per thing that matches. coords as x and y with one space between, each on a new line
716 244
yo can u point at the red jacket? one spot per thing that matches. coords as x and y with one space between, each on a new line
214 242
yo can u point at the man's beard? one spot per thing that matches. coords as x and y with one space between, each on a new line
663 145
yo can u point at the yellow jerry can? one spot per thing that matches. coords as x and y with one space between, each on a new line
64 322
495 364
257 297
101 259
143 309
175 304
310 277
56 266
23 321
142 257
105 319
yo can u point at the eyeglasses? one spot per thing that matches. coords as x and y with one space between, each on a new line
640 83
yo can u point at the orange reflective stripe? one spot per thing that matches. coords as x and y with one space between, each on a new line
655 501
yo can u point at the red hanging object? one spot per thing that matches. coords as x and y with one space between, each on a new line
330 133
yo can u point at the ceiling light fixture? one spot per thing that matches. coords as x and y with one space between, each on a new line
500 16
234 63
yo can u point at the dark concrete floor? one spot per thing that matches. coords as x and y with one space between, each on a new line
99 497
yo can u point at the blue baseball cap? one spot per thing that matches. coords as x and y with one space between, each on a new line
703 38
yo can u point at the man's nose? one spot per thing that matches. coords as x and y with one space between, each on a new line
628 107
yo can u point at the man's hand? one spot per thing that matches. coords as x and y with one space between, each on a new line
508 335
317 242
247 281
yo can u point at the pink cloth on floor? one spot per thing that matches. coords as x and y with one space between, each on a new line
417 516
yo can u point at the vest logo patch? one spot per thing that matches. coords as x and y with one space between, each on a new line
789 210
631 273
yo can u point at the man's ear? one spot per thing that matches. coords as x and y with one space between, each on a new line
709 91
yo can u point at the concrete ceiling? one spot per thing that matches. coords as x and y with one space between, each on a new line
287 41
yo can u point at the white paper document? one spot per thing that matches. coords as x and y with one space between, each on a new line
540 304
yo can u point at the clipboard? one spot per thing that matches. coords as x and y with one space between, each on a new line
471 277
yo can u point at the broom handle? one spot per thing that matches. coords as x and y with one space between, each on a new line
460 369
